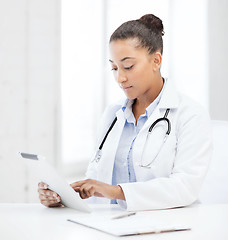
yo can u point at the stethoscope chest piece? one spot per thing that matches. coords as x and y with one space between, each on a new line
97 156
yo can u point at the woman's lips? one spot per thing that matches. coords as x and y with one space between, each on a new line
126 88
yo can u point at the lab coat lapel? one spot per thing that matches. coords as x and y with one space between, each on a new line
142 136
168 100
110 148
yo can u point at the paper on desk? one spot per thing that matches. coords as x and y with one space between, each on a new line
133 225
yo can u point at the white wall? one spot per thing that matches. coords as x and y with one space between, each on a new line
218 58
188 44
29 90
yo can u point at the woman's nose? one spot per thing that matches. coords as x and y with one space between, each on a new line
121 77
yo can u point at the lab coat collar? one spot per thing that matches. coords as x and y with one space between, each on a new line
169 97
127 108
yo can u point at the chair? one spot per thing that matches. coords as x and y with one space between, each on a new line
215 187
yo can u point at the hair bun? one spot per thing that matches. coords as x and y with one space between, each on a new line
153 23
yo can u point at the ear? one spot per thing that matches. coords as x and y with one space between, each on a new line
157 60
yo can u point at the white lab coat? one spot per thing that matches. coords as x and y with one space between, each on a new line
179 166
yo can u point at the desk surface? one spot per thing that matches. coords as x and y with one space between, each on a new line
34 221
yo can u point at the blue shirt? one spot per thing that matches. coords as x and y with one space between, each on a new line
123 170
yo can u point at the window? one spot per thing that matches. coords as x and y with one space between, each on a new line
82 58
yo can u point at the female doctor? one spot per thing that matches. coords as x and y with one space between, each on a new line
153 148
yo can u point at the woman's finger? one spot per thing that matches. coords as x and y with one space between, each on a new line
89 190
50 198
52 203
47 192
82 193
42 185
78 184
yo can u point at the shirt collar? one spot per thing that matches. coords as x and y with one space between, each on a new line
127 106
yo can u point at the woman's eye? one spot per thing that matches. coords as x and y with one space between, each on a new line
114 69
128 68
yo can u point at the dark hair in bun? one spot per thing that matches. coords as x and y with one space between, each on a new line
148 30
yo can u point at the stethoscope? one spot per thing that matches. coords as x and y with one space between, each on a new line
99 151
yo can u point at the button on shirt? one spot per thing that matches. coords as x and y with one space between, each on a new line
123 170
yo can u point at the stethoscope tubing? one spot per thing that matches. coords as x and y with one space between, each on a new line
106 135
162 119
98 154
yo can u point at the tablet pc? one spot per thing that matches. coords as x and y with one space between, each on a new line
47 174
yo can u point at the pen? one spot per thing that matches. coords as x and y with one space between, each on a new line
124 215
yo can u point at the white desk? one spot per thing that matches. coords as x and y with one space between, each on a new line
34 221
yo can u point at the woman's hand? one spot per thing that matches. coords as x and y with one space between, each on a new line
89 187
47 197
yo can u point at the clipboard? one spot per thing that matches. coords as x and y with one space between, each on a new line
135 224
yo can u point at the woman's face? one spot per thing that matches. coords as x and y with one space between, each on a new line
134 68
